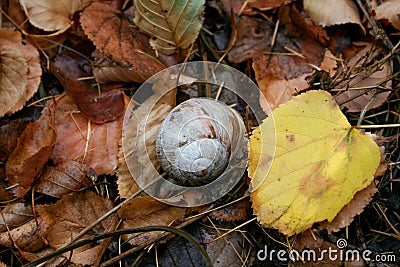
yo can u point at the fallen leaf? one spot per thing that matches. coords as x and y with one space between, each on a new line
356 99
278 91
170 24
100 104
307 184
235 212
328 13
291 54
70 215
79 139
346 216
66 177
14 215
252 7
20 71
110 31
49 15
33 150
10 130
26 237
389 10
146 211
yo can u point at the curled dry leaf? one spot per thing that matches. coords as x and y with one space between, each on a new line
33 150
67 217
14 215
306 184
389 10
51 15
26 237
146 211
81 140
328 13
66 177
99 104
20 71
110 31
171 24
356 99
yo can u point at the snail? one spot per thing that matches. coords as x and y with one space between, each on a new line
198 139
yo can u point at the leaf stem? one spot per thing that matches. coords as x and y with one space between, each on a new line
376 126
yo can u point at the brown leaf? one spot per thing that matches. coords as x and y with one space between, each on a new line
356 100
33 150
278 91
10 131
110 31
275 60
236 212
100 105
15 214
26 237
328 13
72 214
133 148
252 7
66 177
389 10
354 208
98 148
146 211
20 72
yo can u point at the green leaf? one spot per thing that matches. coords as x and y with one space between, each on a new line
172 24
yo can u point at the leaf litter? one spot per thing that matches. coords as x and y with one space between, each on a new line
88 120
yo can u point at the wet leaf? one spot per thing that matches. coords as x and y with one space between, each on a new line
79 139
171 24
66 177
99 104
110 31
14 215
72 214
33 150
146 211
51 15
307 184
10 131
19 73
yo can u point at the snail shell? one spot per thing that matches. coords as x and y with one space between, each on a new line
197 139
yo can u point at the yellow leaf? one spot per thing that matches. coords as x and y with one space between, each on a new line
320 163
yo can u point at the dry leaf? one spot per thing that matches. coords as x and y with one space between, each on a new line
72 214
26 237
307 184
348 212
146 211
133 150
278 91
110 31
98 148
251 7
99 104
15 214
236 212
328 13
51 15
66 177
10 131
356 100
20 72
389 10
33 150
171 24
